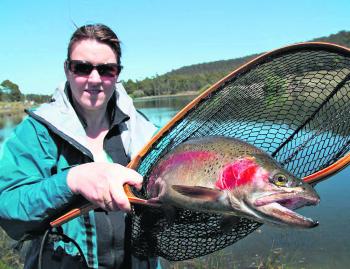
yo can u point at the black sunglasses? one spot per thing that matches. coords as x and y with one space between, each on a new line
83 68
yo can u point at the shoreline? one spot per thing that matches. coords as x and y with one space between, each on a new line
191 93
12 112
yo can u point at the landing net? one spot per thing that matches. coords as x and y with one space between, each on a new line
293 103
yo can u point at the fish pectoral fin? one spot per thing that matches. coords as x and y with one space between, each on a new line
198 192
229 222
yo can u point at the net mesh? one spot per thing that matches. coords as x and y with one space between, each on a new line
293 105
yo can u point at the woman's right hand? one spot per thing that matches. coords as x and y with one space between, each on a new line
102 184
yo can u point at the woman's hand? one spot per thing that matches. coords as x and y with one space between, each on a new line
102 184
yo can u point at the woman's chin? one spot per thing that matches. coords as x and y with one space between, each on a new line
93 105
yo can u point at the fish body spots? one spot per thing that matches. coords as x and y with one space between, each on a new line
238 173
180 166
189 158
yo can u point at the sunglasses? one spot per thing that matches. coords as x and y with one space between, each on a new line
83 68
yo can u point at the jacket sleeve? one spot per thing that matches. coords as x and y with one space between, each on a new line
29 194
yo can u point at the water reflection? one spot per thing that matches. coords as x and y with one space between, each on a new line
161 110
5 131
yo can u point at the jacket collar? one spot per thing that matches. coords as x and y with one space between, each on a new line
61 117
116 116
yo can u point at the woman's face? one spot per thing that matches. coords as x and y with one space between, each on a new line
91 92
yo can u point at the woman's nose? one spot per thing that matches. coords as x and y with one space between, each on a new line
94 76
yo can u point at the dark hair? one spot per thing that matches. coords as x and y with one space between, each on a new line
98 32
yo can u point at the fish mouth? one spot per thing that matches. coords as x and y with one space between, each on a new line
278 208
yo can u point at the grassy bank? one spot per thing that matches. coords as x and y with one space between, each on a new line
12 112
9 259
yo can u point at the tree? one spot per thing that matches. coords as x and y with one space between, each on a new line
15 94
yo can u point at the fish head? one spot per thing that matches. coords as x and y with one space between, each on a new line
259 188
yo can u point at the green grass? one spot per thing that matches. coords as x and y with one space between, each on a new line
8 258
5 266
275 259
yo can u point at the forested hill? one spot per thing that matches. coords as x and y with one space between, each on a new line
198 77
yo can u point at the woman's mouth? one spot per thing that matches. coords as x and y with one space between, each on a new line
93 91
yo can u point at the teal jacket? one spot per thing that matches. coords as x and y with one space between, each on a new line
35 160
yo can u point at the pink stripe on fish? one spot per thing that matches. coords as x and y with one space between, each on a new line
185 157
177 159
237 173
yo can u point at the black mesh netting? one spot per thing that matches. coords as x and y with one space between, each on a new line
293 103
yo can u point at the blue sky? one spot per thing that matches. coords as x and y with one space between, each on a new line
157 36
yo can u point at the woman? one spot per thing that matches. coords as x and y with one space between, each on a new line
76 148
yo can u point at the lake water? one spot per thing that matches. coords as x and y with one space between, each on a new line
326 246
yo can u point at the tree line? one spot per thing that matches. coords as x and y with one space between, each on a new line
10 92
199 77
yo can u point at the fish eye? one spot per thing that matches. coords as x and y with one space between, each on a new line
279 180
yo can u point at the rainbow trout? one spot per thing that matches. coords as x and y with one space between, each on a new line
230 177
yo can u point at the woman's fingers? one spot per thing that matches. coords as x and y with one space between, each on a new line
102 184
128 176
120 200
108 204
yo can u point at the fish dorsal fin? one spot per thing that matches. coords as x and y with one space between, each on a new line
198 192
